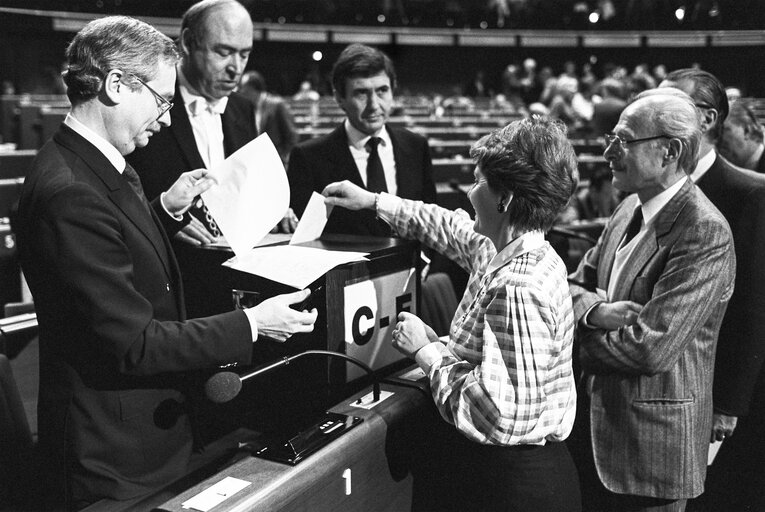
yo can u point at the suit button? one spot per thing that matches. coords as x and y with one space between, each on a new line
167 286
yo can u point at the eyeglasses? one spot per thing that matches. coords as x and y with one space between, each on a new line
610 138
162 104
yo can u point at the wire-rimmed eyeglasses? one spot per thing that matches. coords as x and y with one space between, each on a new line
610 138
162 103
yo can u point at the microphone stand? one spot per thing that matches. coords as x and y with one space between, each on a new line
224 386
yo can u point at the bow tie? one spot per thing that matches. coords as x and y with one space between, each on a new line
201 105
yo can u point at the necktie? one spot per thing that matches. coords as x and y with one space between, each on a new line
375 172
135 183
634 226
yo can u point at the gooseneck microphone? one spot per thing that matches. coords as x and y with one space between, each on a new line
225 386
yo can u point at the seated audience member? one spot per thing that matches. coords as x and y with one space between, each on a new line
504 377
648 300
598 199
115 342
272 115
737 477
306 92
606 112
741 141
363 148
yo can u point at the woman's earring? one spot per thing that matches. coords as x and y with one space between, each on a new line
501 207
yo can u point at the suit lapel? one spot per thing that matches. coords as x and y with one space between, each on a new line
660 226
405 161
118 191
238 124
340 157
184 135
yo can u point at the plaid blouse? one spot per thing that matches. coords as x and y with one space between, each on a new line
505 375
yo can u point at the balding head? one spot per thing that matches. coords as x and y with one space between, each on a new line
216 40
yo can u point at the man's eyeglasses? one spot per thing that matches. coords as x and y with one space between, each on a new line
610 138
162 104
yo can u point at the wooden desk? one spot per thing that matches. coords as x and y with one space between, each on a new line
372 457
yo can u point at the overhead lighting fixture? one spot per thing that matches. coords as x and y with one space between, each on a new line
594 17
317 56
680 13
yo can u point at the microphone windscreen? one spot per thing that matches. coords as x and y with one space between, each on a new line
223 387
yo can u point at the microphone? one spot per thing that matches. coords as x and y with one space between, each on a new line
225 386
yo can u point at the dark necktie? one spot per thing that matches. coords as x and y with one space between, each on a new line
135 183
375 172
634 226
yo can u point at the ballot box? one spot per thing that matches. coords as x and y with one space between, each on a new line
357 305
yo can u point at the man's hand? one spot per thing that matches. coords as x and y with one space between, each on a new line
411 334
288 223
182 194
278 321
613 315
722 426
195 233
348 195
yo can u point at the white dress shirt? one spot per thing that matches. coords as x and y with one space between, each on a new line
704 164
357 143
206 123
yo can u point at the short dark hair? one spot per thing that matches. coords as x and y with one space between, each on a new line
195 16
741 114
114 42
358 60
707 91
533 159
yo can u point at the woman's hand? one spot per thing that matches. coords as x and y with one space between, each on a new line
348 195
411 334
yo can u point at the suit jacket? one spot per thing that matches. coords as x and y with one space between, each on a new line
276 120
316 163
113 330
740 197
650 383
173 150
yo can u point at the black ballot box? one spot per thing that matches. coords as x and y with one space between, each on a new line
357 305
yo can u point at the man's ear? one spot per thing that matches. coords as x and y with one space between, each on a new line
708 118
113 87
673 151
185 40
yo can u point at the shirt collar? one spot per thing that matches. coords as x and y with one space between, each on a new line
110 152
704 164
527 242
195 103
654 205
358 139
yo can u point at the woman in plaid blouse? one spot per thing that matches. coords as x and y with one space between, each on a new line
504 377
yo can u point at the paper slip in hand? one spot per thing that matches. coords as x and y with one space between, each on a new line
313 220
251 196
292 265
713 449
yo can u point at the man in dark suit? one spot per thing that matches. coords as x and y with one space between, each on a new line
741 141
272 115
649 299
737 475
363 149
114 337
209 123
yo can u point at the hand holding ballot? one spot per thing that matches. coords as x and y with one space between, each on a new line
347 195
277 321
189 185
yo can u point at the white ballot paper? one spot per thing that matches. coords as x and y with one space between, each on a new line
313 220
251 196
292 265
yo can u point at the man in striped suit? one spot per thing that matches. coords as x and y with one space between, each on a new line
649 299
